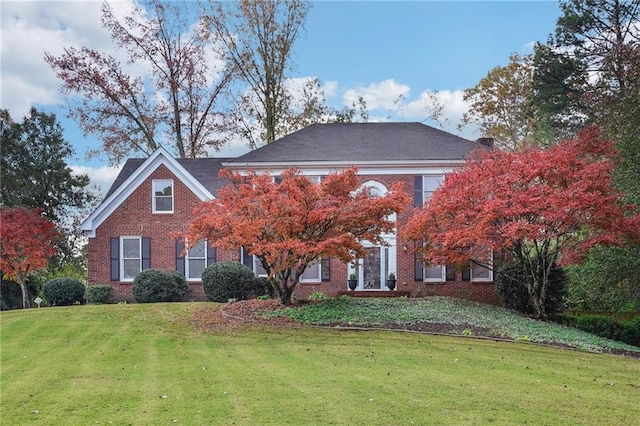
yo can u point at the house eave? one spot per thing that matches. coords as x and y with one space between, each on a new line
364 167
117 197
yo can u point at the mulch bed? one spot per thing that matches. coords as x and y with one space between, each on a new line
248 313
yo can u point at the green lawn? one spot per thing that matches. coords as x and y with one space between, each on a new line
147 365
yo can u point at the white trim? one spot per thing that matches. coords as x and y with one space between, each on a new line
342 164
443 274
141 174
187 258
317 264
324 168
122 258
479 280
154 209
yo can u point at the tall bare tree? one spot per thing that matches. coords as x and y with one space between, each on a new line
259 36
175 103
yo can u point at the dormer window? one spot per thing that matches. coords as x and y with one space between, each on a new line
162 196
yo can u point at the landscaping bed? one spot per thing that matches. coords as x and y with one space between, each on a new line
436 315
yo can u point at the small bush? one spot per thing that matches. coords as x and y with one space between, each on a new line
611 328
259 287
10 295
600 325
316 295
99 294
63 291
510 286
510 282
227 280
155 285
629 332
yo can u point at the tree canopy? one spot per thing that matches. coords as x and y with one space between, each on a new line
34 174
259 37
589 68
500 104
26 245
291 223
539 205
178 101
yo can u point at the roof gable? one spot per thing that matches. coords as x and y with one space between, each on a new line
136 171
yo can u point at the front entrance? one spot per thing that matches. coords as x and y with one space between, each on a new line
374 268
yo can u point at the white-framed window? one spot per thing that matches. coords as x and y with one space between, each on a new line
424 187
130 257
313 273
162 190
195 261
252 262
312 178
480 273
317 271
434 273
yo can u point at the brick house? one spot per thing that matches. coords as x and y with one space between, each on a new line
152 198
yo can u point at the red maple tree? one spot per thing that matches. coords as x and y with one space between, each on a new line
26 245
289 224
541 206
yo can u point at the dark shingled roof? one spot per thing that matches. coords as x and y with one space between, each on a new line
362 142
205 170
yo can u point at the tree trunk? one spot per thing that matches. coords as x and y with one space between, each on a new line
285 295
25 293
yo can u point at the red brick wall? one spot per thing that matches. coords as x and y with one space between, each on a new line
134 217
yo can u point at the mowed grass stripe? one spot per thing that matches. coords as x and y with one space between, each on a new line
145 364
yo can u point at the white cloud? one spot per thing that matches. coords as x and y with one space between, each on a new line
391 101
330 89
452 101
29 29
383 95
101 177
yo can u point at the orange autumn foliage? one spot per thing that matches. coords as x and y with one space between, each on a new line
541 206
288 225
26 244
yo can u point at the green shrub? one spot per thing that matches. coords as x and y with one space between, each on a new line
227 280
611 328
629 332
568 320
63 291
155 285
510 282
316 295
10 295
600 325
99 294
259 287
510 285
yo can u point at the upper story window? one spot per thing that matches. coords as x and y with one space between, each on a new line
424 188
312 178
162 195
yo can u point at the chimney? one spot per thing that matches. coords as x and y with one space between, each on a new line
486 142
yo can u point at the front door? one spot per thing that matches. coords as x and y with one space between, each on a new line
374 268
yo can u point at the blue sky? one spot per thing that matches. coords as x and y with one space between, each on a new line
378 50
